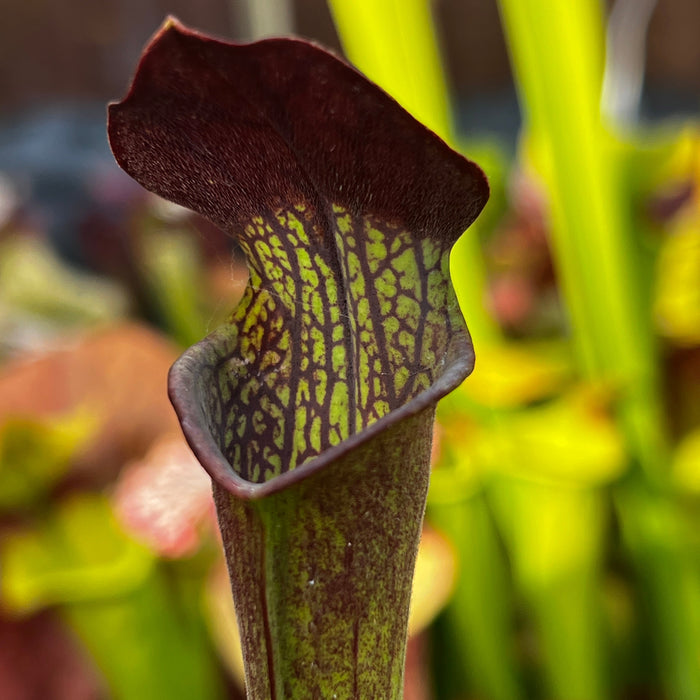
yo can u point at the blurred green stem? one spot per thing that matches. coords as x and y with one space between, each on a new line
662 535
146 646
555 534
557 56
172 271
393 43
476 625
557 52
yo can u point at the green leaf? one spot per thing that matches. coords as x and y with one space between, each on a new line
173 274
110 592
34 280
80 555
571 440
35 454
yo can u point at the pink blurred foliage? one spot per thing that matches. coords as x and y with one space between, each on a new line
117 373
164 499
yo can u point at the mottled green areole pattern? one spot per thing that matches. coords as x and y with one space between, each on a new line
328 338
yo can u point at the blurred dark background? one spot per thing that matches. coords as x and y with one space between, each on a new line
79 50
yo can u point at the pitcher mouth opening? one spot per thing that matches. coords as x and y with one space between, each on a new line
185 393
